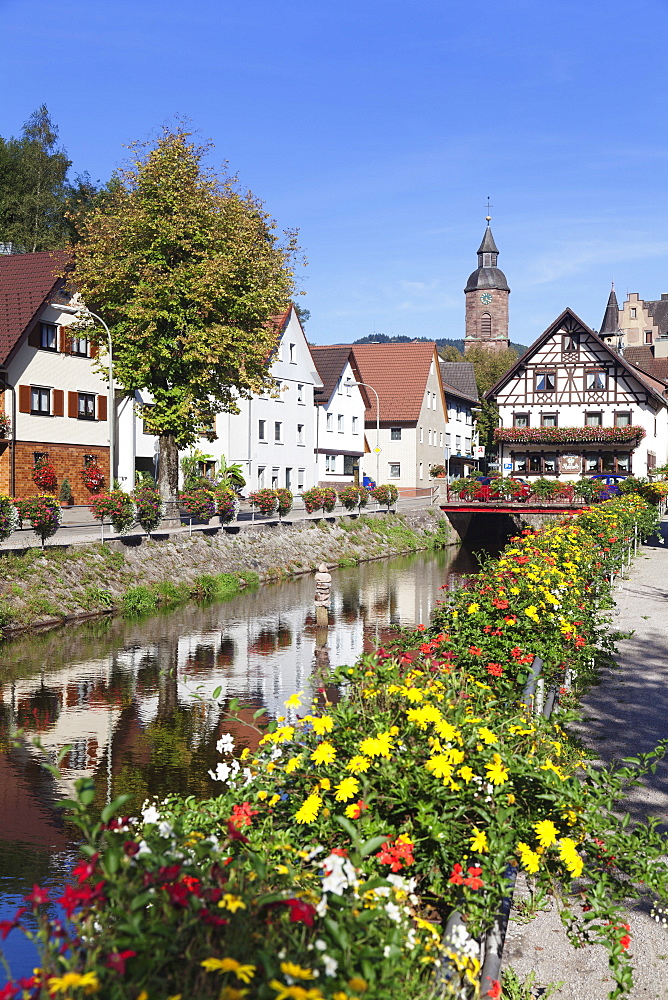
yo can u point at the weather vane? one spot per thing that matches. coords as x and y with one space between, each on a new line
488 206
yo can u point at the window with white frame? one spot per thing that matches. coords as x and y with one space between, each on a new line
440 439
339 423
260 476
467 445
293 354
300 479
395 470
79 346
300 434
262 430
274 478
421 471
348 388
355 422
458 443
330 421
300 392
421 435
278 431
48 337
395 433
330 463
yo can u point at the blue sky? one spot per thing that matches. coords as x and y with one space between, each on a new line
379 128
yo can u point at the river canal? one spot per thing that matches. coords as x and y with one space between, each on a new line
132 699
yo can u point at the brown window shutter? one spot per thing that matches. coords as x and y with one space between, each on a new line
65 339
73 404
58 403
24 399
101 407
35 336
93 350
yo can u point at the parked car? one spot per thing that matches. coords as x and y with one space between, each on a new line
609 482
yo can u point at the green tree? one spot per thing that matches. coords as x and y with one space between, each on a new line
489 366
187 272
33 187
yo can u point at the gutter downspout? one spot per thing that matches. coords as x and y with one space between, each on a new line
12 440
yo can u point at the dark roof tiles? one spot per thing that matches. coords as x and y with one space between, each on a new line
27 280
459 377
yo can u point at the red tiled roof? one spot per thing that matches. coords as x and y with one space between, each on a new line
643 358
398 373
26 282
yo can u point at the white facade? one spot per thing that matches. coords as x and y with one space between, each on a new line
340 431
409 450
571 379
461 436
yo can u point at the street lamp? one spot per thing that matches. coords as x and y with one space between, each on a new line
350 382
82 310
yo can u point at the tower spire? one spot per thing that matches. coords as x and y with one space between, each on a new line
610 324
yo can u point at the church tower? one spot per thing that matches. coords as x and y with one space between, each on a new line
487 300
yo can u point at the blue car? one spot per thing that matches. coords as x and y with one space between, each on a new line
609 482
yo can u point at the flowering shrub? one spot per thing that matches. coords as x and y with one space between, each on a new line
317 870
437 471
149 507
228 504
117 506
5 425
8 516
319 498
43 512
265 501
385 495
199 502
353 497
569 435
285 500
44 476
93 477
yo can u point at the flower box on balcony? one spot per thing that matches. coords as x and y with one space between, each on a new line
569 435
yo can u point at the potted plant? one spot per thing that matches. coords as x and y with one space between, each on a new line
199 502
44 476
118 507
228 504
328 498
149 506
265 501
65 494
8 517
349 496
93 477
437 471
5 425
43 512
312 500
386 494
285 499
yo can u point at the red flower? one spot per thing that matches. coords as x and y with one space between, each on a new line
131 847
85 869
341 852
475 650
6 926
8 992
396 854
300 912
495 669
474 881
495 990
168 872
117 959
235 833
510 620
178 893
37 896
457 878
242 815
521 560
426 648
500 602
359 808
212 918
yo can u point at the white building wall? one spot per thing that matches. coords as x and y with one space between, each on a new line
340 428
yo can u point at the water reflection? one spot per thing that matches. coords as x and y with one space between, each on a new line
132 700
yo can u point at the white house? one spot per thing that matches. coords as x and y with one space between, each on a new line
340 409
573 406
461 398
410 433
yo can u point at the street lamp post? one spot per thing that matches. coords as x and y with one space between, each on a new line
366 386
85 311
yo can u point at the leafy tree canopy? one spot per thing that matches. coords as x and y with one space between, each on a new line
187 272
489 366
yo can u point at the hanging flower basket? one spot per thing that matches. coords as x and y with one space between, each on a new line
9 517
385 495
285 500
228 505
117 507
264 501
353 497
93 477
149 506
44 476
43 512
199 502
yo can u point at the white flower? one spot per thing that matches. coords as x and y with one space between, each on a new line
321 908
386 951
221 773
225 744
248 776
315 852
165 829
393 911
339 874
320 944
150 815
143 849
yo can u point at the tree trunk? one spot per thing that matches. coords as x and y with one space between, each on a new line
168 477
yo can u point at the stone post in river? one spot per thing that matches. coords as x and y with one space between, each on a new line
323 590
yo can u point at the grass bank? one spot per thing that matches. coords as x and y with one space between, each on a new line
40 588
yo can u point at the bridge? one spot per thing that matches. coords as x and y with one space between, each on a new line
496 520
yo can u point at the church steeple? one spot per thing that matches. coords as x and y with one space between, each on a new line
487 294
610 324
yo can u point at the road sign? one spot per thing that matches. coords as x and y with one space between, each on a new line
376 451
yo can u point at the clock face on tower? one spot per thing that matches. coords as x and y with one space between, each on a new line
486 298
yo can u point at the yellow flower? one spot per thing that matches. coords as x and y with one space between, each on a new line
246 752
529 858
292 765
547 832
466 773
357 983
377 746
231 993
309 809
358 764
439 766
295 971
569 855
479 840
322 724
243 972
87 981
532 612
282 869
447 732
496 772
510 799
232 903
294 701
324 753
486 735
273 800
454 755
472 608
262 795
423 715
294 992
413 694
346 789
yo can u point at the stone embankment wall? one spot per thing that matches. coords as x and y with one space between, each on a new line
39 588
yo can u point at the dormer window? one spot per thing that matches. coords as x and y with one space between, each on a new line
571 343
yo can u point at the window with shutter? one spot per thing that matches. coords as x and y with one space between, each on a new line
73 404
485 325
24 399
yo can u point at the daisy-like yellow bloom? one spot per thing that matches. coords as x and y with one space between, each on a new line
569 855
309 809
454 755
358 983
466 773
530 859
497 773
280 735
532 612
413 694
246 752
358 764
479 841
346 789
243 972
273 800
232 993
472 608
424 715
292 765
262 795
377 746
547 832
87 981
447 732
514 591
231 903
439 766
486 735
294 701
296 971
322 724
324 753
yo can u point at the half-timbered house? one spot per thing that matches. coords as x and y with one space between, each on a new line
573 406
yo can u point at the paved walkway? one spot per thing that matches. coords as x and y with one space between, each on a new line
626 714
